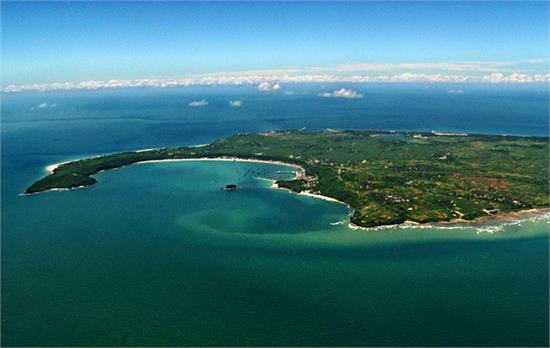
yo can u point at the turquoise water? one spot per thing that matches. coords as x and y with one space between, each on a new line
159 254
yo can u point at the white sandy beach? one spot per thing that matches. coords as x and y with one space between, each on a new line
52 167
306 193
325 198
227 159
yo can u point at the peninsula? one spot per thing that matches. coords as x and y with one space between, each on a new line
385 177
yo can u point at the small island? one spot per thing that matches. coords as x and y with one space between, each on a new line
385 177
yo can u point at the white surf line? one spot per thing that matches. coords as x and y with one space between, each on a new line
482 226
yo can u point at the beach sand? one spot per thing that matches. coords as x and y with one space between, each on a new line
228 159
52 167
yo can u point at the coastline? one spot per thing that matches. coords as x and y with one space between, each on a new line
502 218
226 159
510 216
307 193
50 168
54 166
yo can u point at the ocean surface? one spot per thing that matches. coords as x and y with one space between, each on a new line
159 254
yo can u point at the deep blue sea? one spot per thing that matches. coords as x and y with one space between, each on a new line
160 255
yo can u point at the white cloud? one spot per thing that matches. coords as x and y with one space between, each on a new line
415 77
341 93
267 86
455 91
235 103
197 103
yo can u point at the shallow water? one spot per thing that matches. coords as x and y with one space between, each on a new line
160 254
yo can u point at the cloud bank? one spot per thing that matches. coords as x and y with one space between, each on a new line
272 79
342 93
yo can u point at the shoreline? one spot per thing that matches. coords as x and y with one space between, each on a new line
502 218
54 166
509 216
224 159
306 193
50 168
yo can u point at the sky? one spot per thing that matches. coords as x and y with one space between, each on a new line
63 45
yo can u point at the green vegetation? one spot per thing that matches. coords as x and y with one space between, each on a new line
385 177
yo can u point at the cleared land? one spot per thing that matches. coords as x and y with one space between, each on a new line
386 177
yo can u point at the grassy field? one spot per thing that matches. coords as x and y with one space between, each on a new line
386 177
